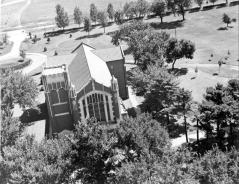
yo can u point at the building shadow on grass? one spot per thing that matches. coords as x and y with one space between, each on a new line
31 115
89 36
167 25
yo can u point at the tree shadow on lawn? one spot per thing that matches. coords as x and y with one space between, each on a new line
89 36
175 129
178 71
59 32
167 25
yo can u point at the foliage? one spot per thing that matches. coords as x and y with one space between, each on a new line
219 112
179 6
102 19
23 54
226 19
183 106
158 7
17 89
87 25
142 7
125 30
97 151
78 16
93 12
127 11
11 129
199 2
119 19
213 1
147 47
31 162
61 18
177 49
158 88
110 11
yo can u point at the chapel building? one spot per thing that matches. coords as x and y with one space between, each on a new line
84 84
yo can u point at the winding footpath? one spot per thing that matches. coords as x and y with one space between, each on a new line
17 37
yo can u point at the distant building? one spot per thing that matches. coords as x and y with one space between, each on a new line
87 83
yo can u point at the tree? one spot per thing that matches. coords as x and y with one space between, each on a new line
102 19
28 161
93 12
158 7
181 5
158 88
147 47
11 129
18 89
199 2
78 16
126 10
213 1
61 18
126 30
178 49
119 19
87 25
226 19
219 64
133 10
142 7
214 111
110 11
23 54
183 102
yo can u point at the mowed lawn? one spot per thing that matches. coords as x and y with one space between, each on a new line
44 10
9 15
202 28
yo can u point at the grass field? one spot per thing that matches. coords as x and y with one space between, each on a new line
10 14
44 10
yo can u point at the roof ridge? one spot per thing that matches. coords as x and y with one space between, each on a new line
81 44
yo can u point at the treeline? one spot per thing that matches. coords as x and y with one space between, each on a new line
133 9
137 151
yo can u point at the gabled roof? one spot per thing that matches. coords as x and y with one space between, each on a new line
60 60
86 66
109 54
78 47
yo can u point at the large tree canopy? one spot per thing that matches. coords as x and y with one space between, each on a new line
177 49
18 89
61 18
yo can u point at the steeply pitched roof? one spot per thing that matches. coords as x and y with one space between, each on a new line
60 60
83 66
109 54
86 66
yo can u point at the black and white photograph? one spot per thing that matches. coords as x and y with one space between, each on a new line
119 92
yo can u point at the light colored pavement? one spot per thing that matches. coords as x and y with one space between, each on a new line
16 37
37 65
182 139
10 3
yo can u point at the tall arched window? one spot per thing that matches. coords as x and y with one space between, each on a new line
96 105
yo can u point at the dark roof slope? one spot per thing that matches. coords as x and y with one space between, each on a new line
79 70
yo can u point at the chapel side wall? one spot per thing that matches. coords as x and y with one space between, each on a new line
118 69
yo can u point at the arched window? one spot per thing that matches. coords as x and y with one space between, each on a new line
54 97
63 95
96 105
